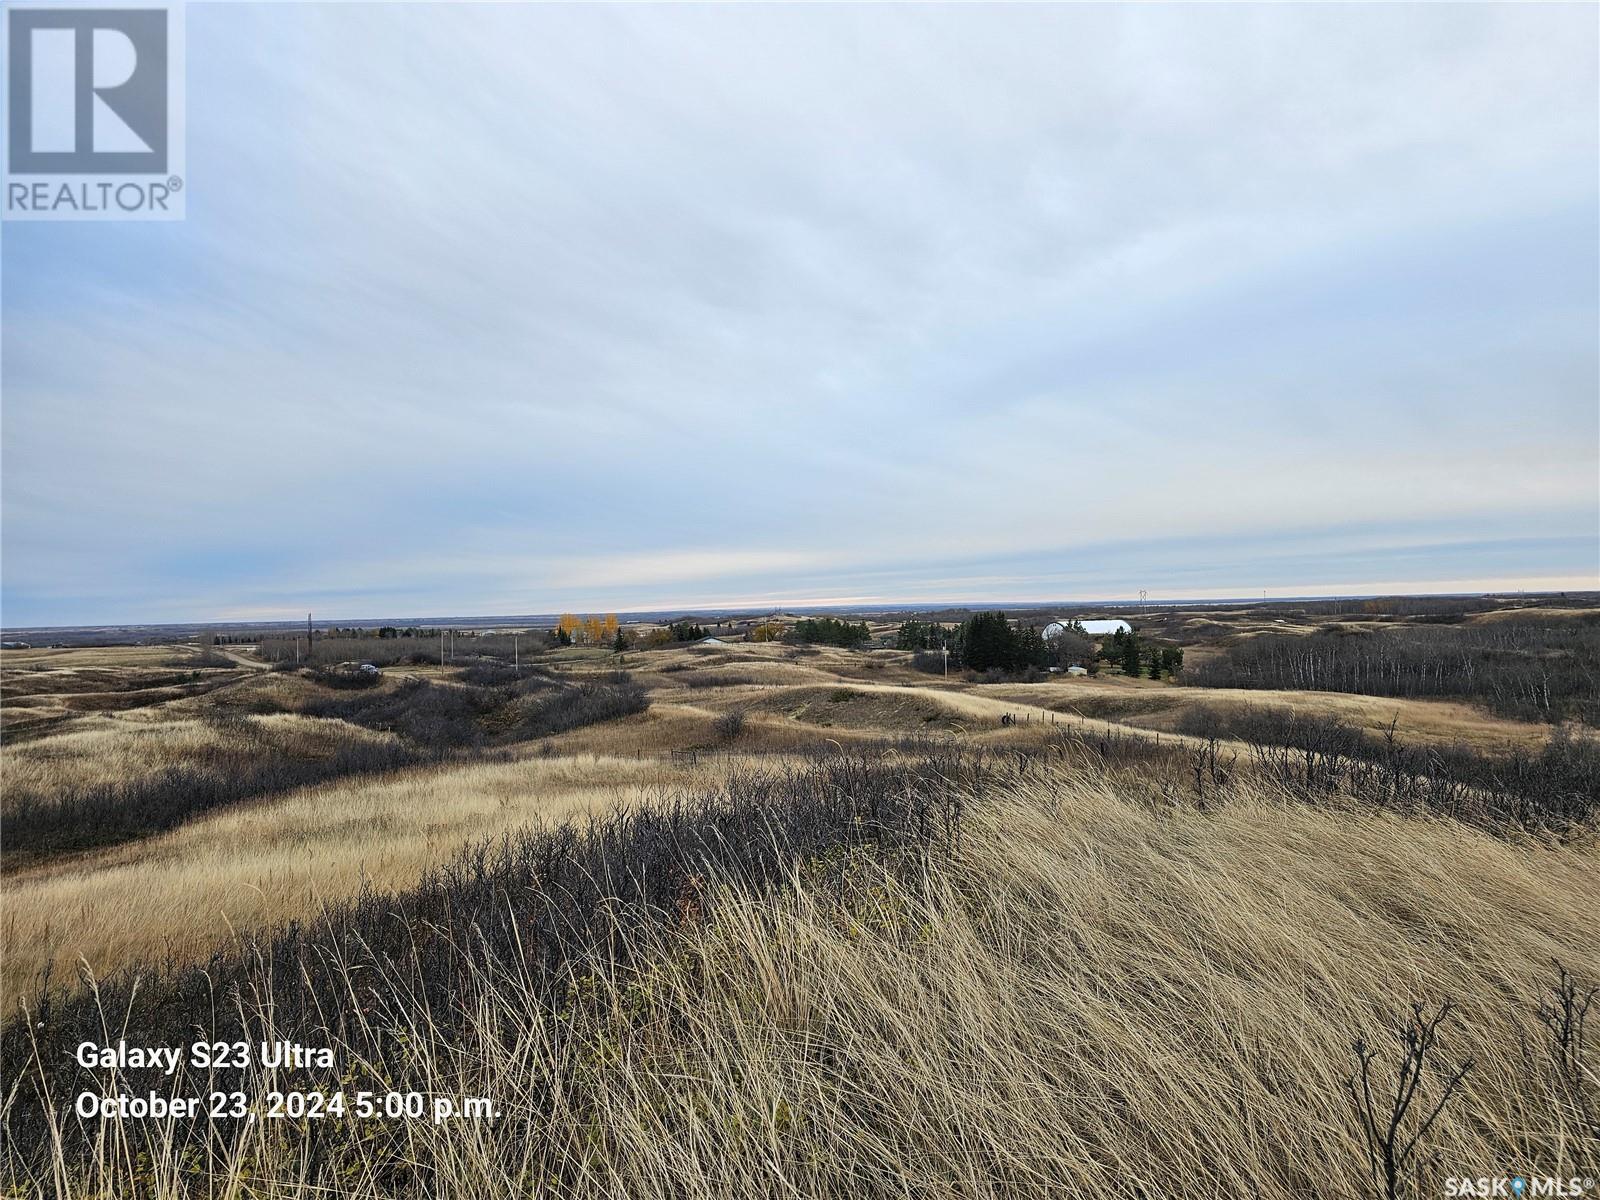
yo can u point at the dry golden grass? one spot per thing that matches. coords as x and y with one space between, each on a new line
44 689
1101 998
126 750
71 658
1138 702
1538 613
669 727
1420 721
248 866
1098 995
277 857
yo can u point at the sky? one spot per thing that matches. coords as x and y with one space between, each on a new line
511 309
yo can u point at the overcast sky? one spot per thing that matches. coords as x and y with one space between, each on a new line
508 309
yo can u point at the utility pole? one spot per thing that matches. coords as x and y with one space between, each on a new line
516 654
441 649
308 637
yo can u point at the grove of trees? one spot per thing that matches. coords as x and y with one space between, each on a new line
1137 658
587 631
923 635
829 631
984 642
1533 668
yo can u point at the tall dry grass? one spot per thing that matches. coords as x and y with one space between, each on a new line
184 894
1097 992
81 790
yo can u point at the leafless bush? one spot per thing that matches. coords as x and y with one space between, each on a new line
730 724
346 680
1392 1126
699 680
1564 1013
451 716
1554 790
491 672
583 704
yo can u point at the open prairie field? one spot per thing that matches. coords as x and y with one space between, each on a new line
703 917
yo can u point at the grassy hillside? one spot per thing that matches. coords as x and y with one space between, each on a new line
1088 987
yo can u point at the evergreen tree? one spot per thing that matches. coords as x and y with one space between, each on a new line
989 642
1130 654
1029 649
920 635
1112 650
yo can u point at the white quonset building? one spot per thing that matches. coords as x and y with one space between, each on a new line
1093 628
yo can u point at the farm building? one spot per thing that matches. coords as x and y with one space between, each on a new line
1093 628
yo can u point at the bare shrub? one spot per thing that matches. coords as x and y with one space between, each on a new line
730 725
490 672
583 704
346 680
1564 1013
699 680
1393 1126
448 715
1555 790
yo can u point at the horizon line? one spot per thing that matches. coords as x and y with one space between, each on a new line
735 608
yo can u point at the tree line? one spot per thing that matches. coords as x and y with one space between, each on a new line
829 631
1543 670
